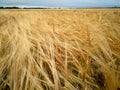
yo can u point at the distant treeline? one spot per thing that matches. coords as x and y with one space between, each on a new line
9 8
22 8
47 8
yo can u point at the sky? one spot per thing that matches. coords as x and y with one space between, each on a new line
61 3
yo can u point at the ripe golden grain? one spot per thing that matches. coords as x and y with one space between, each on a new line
60 49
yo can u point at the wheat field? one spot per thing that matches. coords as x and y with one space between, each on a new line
66 49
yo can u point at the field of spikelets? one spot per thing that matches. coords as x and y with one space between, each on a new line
76 49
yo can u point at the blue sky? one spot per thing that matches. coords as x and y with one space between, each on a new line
61 3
